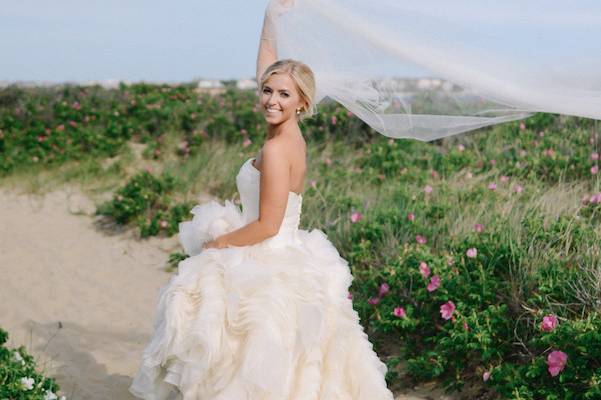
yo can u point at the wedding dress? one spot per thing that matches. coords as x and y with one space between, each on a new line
269 321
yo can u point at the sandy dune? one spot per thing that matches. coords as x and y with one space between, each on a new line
78 295
61 269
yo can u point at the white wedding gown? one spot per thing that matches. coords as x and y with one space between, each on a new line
270 321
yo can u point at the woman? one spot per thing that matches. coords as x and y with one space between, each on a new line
262 312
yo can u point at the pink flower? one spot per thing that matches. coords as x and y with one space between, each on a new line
594 169
493 162
313 183
420 239
447 309
349 296
594 156
356 216
434 283
594 199
556 361
373 301
148 169
485 376
548 323
492 186
434 174
549 152
76 106
428 189
479 228
384 288
450 261
504 178
465 326
424 270
399 312
60 128
246 142
460 147
163 224
471 252
518 189
522 126
333 120
349 114
328 161
411 217
73 124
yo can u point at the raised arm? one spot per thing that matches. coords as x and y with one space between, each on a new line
267 45
268 42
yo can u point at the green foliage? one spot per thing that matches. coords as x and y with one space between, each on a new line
17 364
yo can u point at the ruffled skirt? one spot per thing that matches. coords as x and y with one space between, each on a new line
260 323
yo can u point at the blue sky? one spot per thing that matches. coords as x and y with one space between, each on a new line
67 40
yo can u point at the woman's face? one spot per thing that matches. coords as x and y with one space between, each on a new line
280 99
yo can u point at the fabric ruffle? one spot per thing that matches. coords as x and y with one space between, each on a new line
258 323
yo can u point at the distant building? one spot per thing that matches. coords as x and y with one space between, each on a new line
211 86
245 84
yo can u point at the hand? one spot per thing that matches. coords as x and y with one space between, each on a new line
280 6
217 243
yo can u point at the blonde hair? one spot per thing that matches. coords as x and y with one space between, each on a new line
303 78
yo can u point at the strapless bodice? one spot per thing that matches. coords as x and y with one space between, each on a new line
247 182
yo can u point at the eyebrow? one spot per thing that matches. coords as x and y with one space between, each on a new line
281 90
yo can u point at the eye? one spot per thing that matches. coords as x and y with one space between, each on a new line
285 94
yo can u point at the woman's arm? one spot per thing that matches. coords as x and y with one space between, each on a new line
267 46
273 200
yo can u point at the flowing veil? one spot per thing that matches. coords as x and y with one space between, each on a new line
435 68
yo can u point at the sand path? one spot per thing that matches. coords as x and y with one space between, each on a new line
79 296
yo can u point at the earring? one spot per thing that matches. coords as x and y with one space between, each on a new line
298 111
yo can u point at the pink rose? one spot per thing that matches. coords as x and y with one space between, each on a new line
384 288
399 312
434 283
356 216
447 309
373 301
556 362
471 252
548 323
424 270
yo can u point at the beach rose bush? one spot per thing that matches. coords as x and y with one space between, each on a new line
19 376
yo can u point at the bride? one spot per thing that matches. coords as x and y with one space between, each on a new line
260 310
